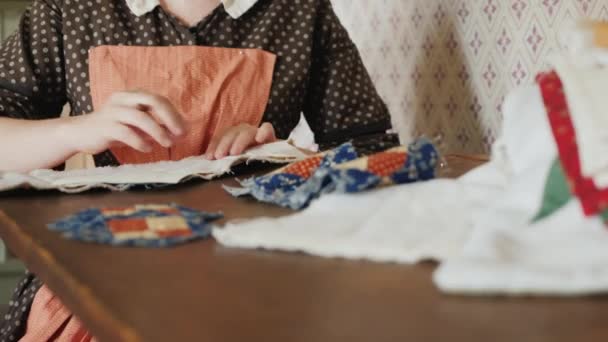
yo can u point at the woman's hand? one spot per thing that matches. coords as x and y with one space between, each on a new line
133 118
236 140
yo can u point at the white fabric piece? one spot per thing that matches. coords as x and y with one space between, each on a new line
303 137
529 153
563 255
406 224
234 8
168 172
585 88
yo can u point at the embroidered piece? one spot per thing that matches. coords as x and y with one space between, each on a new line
593 199
213 88
137 226
341 169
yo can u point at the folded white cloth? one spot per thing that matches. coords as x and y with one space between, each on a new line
529 152
564 255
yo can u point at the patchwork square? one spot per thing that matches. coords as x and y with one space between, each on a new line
127 226
295 185
158 225
169 226
386 163
304 168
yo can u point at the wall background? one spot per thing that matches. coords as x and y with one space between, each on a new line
445 66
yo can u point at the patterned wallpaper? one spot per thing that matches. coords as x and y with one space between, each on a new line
444 66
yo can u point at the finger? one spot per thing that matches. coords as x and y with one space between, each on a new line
146 124
158 106
126 135
210 152
265 134
212 147
223 147
242 141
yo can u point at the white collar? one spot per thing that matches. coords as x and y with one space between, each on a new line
235 8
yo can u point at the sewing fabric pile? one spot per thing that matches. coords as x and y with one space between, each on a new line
165 172
529 222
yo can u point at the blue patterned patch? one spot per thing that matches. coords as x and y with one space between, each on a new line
294 190
341 170
151 226
421 163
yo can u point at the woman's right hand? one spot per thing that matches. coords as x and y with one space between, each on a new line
132 118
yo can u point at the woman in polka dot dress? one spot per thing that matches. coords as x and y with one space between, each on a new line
44 65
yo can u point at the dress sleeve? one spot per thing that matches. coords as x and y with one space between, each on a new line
32 70
342 102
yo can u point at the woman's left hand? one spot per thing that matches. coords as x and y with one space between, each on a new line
239 138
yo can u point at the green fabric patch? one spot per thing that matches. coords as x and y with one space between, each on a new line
604 216
557 192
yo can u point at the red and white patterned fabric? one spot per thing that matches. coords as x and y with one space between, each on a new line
593 199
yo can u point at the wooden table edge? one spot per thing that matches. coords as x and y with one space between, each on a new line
94 314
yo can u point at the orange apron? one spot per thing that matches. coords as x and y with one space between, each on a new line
213 88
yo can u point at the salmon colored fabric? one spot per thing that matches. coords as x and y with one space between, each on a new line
49 320
213 88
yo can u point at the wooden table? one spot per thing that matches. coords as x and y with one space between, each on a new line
205 292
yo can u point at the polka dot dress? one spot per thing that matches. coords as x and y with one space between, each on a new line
319 71
14 324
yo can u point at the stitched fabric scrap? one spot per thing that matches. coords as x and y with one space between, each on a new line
341 170
137 226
